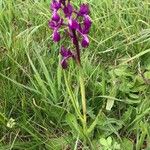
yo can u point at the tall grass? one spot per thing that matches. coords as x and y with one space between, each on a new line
116 69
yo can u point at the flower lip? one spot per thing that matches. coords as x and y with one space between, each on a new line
85 41
64 64
87 25
56 36
73 24
55 16
51 24
87 21
66 54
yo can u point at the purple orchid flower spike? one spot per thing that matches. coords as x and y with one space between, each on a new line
78 23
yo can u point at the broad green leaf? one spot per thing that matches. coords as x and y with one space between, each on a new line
109 141
127 144
73 123
103 142
147 74
122 71
58 143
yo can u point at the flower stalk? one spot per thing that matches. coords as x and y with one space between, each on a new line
77 48
73 99
77 24
82 89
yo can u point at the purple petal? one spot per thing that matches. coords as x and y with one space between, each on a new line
55 16
65 53
73 24
51 24
84 9
55 5
85 41
87 23
68 10
85 28
64 63
56 36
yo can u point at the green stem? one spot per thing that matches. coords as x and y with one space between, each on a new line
82 88
73 99
83 116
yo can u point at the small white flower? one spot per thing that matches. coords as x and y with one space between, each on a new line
11 122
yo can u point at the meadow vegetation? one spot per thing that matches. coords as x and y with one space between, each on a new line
36 111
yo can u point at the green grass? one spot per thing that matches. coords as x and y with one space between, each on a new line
116 69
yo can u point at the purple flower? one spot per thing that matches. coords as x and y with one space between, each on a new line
55 5
73 24
55 16
87 24
68 10
84 9
55 27
56 36
66 54
51 24
85 41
